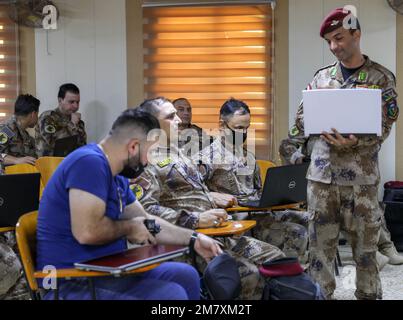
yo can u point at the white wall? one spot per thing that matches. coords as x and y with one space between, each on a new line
88 49
309 52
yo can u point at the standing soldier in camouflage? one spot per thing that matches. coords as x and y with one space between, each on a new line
62 122
228 167
172 188
16 145
343 176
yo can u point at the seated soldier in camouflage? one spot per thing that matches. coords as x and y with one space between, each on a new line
191 137
16 145
228 167
12 282
172 188
62 122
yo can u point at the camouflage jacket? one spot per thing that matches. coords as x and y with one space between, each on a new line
192 140
228 172
54 125
357 165
16 141
172 188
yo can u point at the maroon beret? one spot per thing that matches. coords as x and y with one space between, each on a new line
334 20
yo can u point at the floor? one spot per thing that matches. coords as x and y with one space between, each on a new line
391 277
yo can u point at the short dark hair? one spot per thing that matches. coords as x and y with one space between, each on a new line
67 87
181 99
231 106
152 105
26 104
134 119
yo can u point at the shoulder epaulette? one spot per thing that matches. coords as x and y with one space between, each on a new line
326 67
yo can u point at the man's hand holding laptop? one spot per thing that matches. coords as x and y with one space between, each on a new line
337 140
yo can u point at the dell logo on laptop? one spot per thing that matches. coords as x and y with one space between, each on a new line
292 185
1 201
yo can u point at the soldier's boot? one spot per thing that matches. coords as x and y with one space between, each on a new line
394 257
381 260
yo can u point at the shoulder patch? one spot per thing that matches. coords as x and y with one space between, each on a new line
6 134
3 138
392 111
389 95
294 131
164 163
137 190
50 129
143 182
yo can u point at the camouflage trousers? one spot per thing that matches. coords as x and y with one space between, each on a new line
249 253
354 209
385 241
286 230
12 282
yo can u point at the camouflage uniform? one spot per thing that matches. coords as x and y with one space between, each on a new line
239 175
12 282
16 141
172 188
53 125
343 182
1 163
193 139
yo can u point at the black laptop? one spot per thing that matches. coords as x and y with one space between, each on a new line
283 185
19 194
64 146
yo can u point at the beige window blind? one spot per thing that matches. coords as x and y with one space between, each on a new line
8 64
209 54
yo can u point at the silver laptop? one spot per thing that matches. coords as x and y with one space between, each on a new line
350 111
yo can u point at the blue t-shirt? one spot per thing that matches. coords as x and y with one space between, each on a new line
86 169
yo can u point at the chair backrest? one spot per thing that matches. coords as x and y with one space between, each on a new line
46 166
264 165
26 240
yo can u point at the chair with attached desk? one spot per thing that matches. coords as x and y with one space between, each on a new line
26 241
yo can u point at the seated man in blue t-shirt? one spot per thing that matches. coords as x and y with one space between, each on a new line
87 210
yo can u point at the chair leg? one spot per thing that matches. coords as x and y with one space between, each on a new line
92 289
338 258
336 268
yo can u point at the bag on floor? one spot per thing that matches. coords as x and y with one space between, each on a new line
221 278
286 280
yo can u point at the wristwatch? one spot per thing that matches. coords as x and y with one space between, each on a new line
192 243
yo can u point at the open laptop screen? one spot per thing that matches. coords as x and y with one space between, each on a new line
19 194
64 146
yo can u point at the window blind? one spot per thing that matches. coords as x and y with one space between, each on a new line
8 63
209 54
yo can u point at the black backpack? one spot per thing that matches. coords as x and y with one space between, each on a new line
300 287
286 280
221 279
